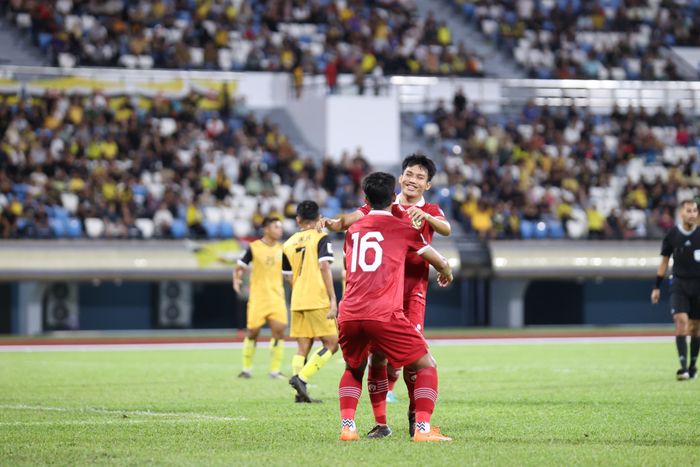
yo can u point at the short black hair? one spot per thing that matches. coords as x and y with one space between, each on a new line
379 189
420 159
269 220
682 204
308 210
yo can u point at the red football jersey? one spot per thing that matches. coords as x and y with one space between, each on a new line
376 248
417 270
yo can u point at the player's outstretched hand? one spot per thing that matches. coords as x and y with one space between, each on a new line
334 225
333 313
655 295
444 280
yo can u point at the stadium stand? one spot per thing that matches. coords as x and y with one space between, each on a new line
353 36
605 39
565 172
119 166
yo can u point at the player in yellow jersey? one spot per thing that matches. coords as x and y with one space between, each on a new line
308 255
266 302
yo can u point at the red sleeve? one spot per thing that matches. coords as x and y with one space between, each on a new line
434 210
365 209
416 240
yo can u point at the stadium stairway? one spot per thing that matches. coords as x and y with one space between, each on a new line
16 47
496 62
281 118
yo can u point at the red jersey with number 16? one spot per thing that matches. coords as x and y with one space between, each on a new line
416 271
375 252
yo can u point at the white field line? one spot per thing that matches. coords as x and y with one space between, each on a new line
239 345
128 421
142 413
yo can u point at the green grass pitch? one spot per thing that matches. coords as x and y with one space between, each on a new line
552 404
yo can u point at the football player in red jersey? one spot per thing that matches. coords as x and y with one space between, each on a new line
371 315
417 172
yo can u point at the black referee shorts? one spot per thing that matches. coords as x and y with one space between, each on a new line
685 297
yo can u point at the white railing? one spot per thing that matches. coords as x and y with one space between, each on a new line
415 93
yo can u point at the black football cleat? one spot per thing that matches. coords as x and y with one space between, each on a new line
692 372
682 374
245 375
300 386
411 423
379 431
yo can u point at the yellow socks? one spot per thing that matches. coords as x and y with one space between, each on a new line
248 353
315 363
276 354
297 363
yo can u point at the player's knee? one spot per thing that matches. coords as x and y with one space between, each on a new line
331 344
426 361
376 359
357 373
253 333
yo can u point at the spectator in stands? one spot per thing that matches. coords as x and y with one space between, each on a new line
246 35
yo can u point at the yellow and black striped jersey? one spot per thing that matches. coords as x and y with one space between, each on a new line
303 253
266 288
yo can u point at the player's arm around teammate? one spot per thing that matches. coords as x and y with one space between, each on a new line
371 317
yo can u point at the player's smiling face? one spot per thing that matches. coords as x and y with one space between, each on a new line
414 181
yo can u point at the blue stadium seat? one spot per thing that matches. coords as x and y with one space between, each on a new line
44 41
74 228
59 212
527 229
329 212
225 230
419 122
178 228
540 230
333 202
555 229
58 227
212 228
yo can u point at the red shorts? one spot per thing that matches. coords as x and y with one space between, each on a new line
398 339
414 309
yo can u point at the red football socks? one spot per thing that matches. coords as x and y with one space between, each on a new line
349 391
425 393
378 386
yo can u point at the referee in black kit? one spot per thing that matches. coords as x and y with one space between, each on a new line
683 242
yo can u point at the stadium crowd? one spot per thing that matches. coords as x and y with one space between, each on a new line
301 36
129 167
554 173
602 39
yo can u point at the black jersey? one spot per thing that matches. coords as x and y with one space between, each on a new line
685 248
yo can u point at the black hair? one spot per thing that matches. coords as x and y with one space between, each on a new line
420 159
308 210
682 204
379 189
269 220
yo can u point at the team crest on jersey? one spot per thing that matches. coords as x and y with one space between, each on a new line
417 223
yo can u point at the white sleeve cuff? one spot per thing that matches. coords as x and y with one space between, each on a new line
424 249
326 258
242 264
286 273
